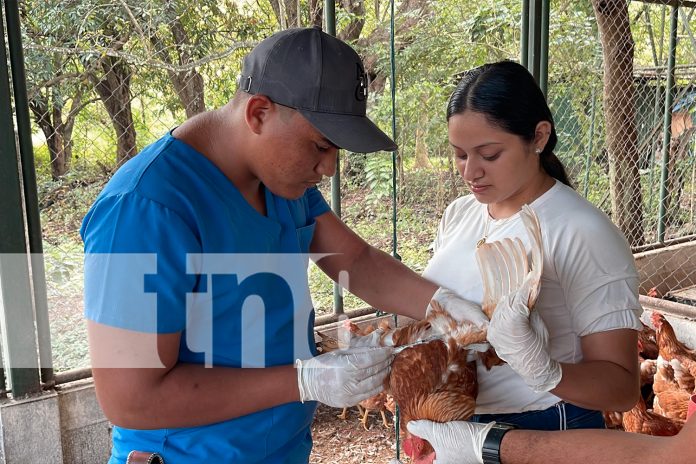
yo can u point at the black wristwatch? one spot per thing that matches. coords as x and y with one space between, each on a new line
491 444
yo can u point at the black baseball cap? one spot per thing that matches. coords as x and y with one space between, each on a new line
320 76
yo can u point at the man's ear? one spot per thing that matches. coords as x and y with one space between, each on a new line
257 111
542 134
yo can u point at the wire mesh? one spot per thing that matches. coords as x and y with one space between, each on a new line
107 78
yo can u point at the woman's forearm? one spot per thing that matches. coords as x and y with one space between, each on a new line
598 385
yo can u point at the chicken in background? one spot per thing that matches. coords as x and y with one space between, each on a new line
640 420
648 369
647 342
672 404
654 293
325 343
663 380
683 376
613 419
672 350
676 368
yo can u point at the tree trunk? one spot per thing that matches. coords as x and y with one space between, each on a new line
352 30
58 133
188 85
113 88
316 13
286 13
619 111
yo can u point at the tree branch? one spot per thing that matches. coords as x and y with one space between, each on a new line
140 61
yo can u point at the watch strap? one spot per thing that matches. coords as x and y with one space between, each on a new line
491 444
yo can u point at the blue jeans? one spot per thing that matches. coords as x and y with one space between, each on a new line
560 416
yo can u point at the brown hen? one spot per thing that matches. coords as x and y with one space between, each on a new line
434 381
640 420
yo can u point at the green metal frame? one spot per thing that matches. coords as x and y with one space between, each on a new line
524 34
534 40
544 46
19 338
395 153
31 197
330 21
667 124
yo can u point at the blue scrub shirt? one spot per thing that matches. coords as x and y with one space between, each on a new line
172 246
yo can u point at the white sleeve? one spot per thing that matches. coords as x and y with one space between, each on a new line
597 272
442 228
614 305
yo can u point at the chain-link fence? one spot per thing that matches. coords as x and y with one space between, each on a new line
107 78
626 129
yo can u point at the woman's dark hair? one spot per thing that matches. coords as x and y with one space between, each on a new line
507 95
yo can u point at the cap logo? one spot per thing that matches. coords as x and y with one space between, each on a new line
361 88
244 83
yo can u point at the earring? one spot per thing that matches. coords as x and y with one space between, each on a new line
537 151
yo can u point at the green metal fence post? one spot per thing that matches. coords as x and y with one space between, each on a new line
395 153
31 196
534 47
667 125
658 92
544 47
330 20
18 336
524 35
590 141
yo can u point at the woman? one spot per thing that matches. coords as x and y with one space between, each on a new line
503 136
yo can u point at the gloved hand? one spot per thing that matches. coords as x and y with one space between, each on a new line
344 377
459 308
522 340
456 442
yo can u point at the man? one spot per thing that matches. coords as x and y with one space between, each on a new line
196 295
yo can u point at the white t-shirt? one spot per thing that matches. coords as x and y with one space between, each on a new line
589 282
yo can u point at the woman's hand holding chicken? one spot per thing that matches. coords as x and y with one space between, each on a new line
521 339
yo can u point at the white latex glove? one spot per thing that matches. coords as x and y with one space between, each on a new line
459 308
344 377
522 341
456 442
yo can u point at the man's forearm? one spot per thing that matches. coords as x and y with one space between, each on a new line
590 446
389 285
192 395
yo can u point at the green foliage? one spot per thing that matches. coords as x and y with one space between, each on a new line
378 176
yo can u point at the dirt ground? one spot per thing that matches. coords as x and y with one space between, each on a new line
345 442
